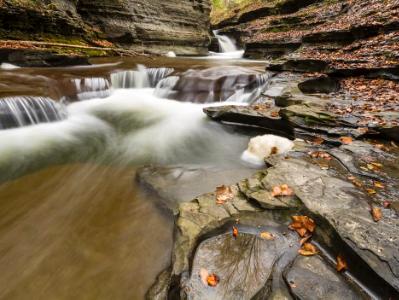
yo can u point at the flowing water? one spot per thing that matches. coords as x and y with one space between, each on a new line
74 224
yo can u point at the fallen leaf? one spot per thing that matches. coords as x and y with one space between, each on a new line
302 225
266 235
341 264
235 232
318 140
308 249
282 190
346 140
376 213
213 280
355 181
387 204
306 222
274 151
223 194
371 191
379 185
204 276
275 114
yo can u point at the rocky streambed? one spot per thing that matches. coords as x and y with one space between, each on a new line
344 177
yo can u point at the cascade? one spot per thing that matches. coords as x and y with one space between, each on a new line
140 78
94 87
28 110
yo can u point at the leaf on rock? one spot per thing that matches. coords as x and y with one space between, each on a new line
282 190
302 225
275 114
274 151
371 191
308 249
318 141
235 232
223 194
267 236
376 213
387 204
379 185
346 140
341 264
213 280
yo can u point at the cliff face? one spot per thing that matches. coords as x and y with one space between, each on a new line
149 26
348 33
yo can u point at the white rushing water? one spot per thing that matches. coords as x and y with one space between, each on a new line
131 126
28 110
227 47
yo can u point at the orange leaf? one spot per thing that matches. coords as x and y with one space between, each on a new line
376 213
235 232
266 235
275 114
308 249
213 280
371 191
282 190
379 185
306 222
346 140
318 140
341 264
223 194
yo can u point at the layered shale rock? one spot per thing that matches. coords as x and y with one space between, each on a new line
142 26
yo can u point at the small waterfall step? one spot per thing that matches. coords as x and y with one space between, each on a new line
141 78
22 111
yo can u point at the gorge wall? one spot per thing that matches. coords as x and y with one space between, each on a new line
348 33
152 26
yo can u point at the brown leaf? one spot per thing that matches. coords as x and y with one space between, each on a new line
266 235
274 151
371 191
346 140
223 194
213 280
318 141
387 204
282 190
306 222
275 114
376 213
308 249
235 232
341 264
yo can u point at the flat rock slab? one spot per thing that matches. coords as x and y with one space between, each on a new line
243 264
312 279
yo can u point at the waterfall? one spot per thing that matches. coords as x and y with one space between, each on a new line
28 110
227 47
94 87
226 44
140 78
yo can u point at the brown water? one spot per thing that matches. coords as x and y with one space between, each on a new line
80 232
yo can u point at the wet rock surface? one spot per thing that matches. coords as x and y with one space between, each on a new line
338 191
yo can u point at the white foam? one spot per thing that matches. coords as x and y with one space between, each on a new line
7 66
261 147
